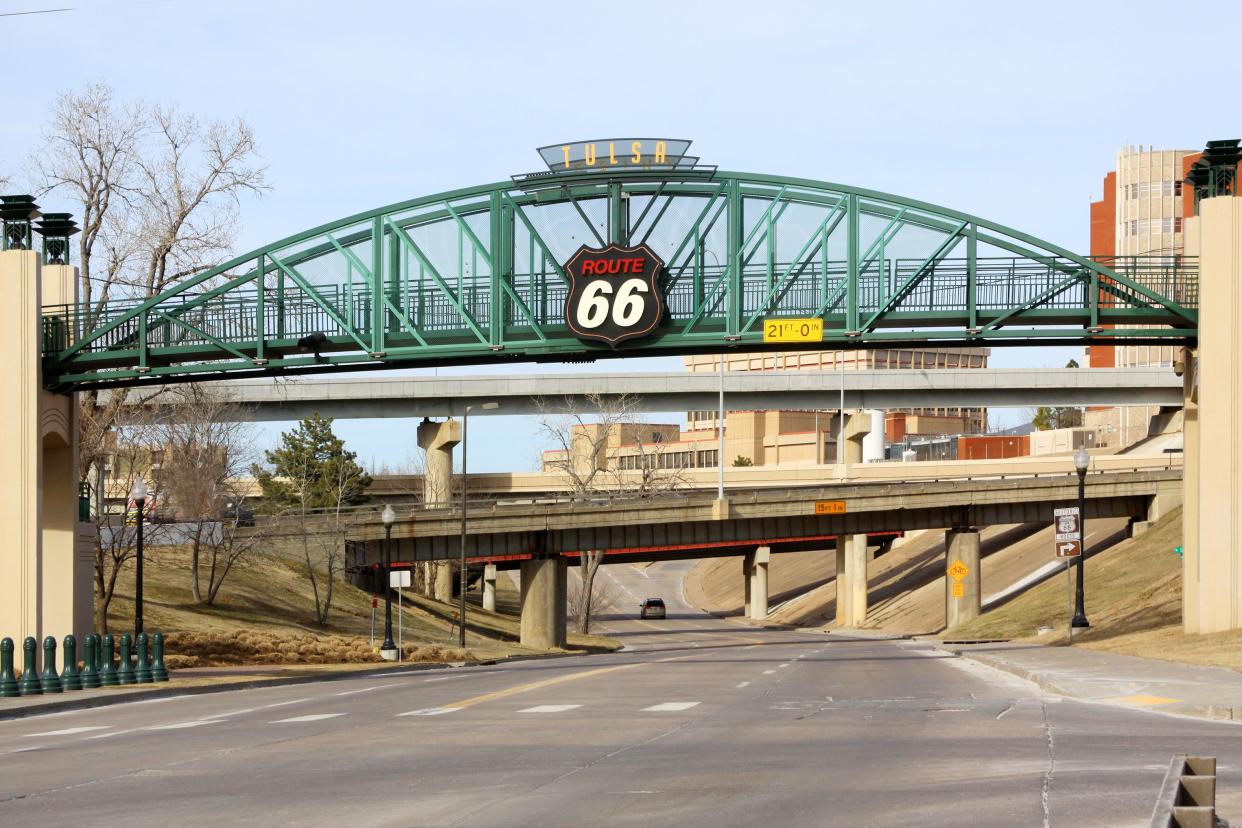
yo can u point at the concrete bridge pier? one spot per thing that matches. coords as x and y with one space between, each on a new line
748 580
851 580
437 441
543 602
962 596
489 587
757 585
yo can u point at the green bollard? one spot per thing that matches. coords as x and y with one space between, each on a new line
70 678
8 680
107 669
142 672
125 674
48 678
158 671
90 659
30 685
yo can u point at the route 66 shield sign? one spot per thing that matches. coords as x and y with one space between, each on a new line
614 293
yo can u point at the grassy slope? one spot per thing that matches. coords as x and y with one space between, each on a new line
268 603
1134 603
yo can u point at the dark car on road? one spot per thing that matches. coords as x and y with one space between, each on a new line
651 608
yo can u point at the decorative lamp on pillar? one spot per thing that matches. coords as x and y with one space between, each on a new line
56 228
388 650
16 213
1081 461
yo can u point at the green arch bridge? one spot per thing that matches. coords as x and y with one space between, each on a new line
477 275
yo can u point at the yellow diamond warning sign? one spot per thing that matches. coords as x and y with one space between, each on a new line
958 570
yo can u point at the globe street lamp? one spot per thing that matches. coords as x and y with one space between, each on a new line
138 495
465 436
388 650
1081 461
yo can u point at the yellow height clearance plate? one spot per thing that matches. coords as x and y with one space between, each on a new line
830 507
793 330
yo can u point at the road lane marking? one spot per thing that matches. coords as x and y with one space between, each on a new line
430 711
69 731
367 689
783 665
742 684
768 672
669 707
550 708
535 685
310 717
183 725
283 703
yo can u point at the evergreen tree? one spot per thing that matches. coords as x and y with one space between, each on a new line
311 469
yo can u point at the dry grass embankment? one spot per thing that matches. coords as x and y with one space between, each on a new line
1133 600
265 614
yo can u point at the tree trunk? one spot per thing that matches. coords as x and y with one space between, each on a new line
590 565
195 547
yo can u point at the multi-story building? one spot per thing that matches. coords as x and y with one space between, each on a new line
1141 213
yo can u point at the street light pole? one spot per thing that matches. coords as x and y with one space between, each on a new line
138 494
1081 461
388 650
461 566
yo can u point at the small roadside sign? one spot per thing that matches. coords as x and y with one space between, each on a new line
958 570
959 589
830 507
374 603
1067 523
793 330
1069 548
399 578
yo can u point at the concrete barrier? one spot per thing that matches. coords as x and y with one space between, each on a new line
1188 796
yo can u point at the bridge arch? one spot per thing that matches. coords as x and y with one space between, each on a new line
477 275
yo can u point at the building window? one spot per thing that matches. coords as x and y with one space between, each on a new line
1177 224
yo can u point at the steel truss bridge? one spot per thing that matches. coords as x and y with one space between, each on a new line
475 275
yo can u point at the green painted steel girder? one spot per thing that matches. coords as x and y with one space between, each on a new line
475 275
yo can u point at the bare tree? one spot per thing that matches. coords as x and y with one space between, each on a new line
131 450
581 437
157 195
585 606
206 450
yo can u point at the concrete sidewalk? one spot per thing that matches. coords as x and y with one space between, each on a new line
1090 675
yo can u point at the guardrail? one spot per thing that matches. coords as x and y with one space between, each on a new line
1188 796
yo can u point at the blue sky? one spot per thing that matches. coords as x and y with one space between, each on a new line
1010 111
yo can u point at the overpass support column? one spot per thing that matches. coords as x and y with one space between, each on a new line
1212 546
857 427
851 580
748 581
489 587
759 584
543 599
438 440
962 597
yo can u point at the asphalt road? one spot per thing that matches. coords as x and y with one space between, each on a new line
699 722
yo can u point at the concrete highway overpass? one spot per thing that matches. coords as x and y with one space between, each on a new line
404 396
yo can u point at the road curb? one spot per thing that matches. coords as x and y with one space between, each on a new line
1200 711
171 689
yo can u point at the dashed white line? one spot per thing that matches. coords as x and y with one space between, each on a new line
69 731
783 665
367 689
431 711
283 703
742 684
669 707
183 725
310 717
550 708
768 672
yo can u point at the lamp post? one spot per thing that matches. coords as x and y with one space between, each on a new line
1081 461
138 494
461 565
388 650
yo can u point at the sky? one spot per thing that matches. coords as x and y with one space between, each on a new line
1010 111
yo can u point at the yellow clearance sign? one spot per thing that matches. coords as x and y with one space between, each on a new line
830 507
793 330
